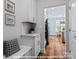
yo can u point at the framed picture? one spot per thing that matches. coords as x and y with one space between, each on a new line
9 6
9 19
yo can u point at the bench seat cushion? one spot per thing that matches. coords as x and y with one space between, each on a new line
10 47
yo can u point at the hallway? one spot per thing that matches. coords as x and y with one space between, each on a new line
55 49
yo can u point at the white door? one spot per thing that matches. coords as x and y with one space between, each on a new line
72 28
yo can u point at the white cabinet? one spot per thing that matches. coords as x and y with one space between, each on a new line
26 10
32 40
21 10
72 44
37 45
72 28
72 15
31 10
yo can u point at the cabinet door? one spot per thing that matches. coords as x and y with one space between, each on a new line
29 41
72 15
72 28
37 45
22 10
31 10
72 44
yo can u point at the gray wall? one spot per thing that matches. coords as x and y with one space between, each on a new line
41 5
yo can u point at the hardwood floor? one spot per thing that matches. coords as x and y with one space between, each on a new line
55 49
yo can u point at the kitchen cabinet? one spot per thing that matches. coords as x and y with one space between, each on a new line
31 6
26 10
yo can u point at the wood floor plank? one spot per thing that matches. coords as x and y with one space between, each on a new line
55 49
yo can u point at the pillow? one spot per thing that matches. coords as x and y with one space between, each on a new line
10 47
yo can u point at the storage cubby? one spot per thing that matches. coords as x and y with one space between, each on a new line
28 27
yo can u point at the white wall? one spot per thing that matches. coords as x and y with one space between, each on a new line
41 4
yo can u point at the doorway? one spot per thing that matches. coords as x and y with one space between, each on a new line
56 19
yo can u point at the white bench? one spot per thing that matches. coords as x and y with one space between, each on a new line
24 50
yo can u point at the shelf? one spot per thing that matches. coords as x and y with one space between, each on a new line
32 35
29 22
